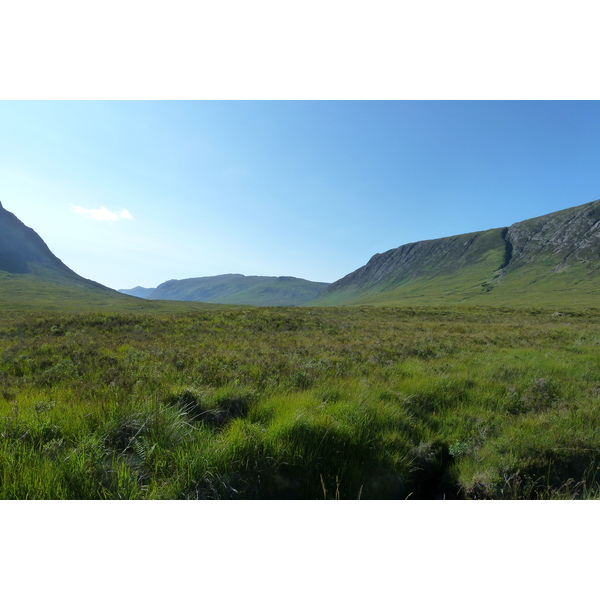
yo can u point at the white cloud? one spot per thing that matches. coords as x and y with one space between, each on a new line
102 213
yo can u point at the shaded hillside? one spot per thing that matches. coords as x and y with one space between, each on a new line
32 277
22 252
548 260
236 289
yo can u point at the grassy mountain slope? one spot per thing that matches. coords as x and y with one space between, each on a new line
433 271
553 260
236 289
31 277
23 252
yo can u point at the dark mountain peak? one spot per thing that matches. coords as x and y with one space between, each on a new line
24 252
21 247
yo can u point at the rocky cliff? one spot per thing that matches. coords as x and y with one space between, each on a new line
553 259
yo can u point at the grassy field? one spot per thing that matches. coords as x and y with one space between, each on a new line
307 403
21 294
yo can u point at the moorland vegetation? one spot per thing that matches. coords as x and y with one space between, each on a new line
303 403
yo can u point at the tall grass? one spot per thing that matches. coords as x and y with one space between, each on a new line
301 403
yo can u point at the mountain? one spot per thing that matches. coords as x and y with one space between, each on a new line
23 252
139 292
235 289
32 277
550 260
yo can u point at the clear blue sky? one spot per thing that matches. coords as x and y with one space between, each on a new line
308 189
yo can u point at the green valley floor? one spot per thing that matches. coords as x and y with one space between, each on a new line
301 403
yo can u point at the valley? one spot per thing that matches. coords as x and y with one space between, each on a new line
458 368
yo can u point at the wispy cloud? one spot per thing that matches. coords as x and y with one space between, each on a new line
103 214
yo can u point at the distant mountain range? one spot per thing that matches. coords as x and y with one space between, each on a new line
552 260
31 275
235 289
545 261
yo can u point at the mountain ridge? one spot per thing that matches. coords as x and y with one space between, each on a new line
234 288
24 252
33 278
557 254
553 259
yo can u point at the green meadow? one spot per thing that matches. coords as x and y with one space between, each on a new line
300 403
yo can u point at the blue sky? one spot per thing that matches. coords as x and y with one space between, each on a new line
136 193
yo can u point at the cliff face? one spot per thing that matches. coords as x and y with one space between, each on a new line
427 259
564 237
553 258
